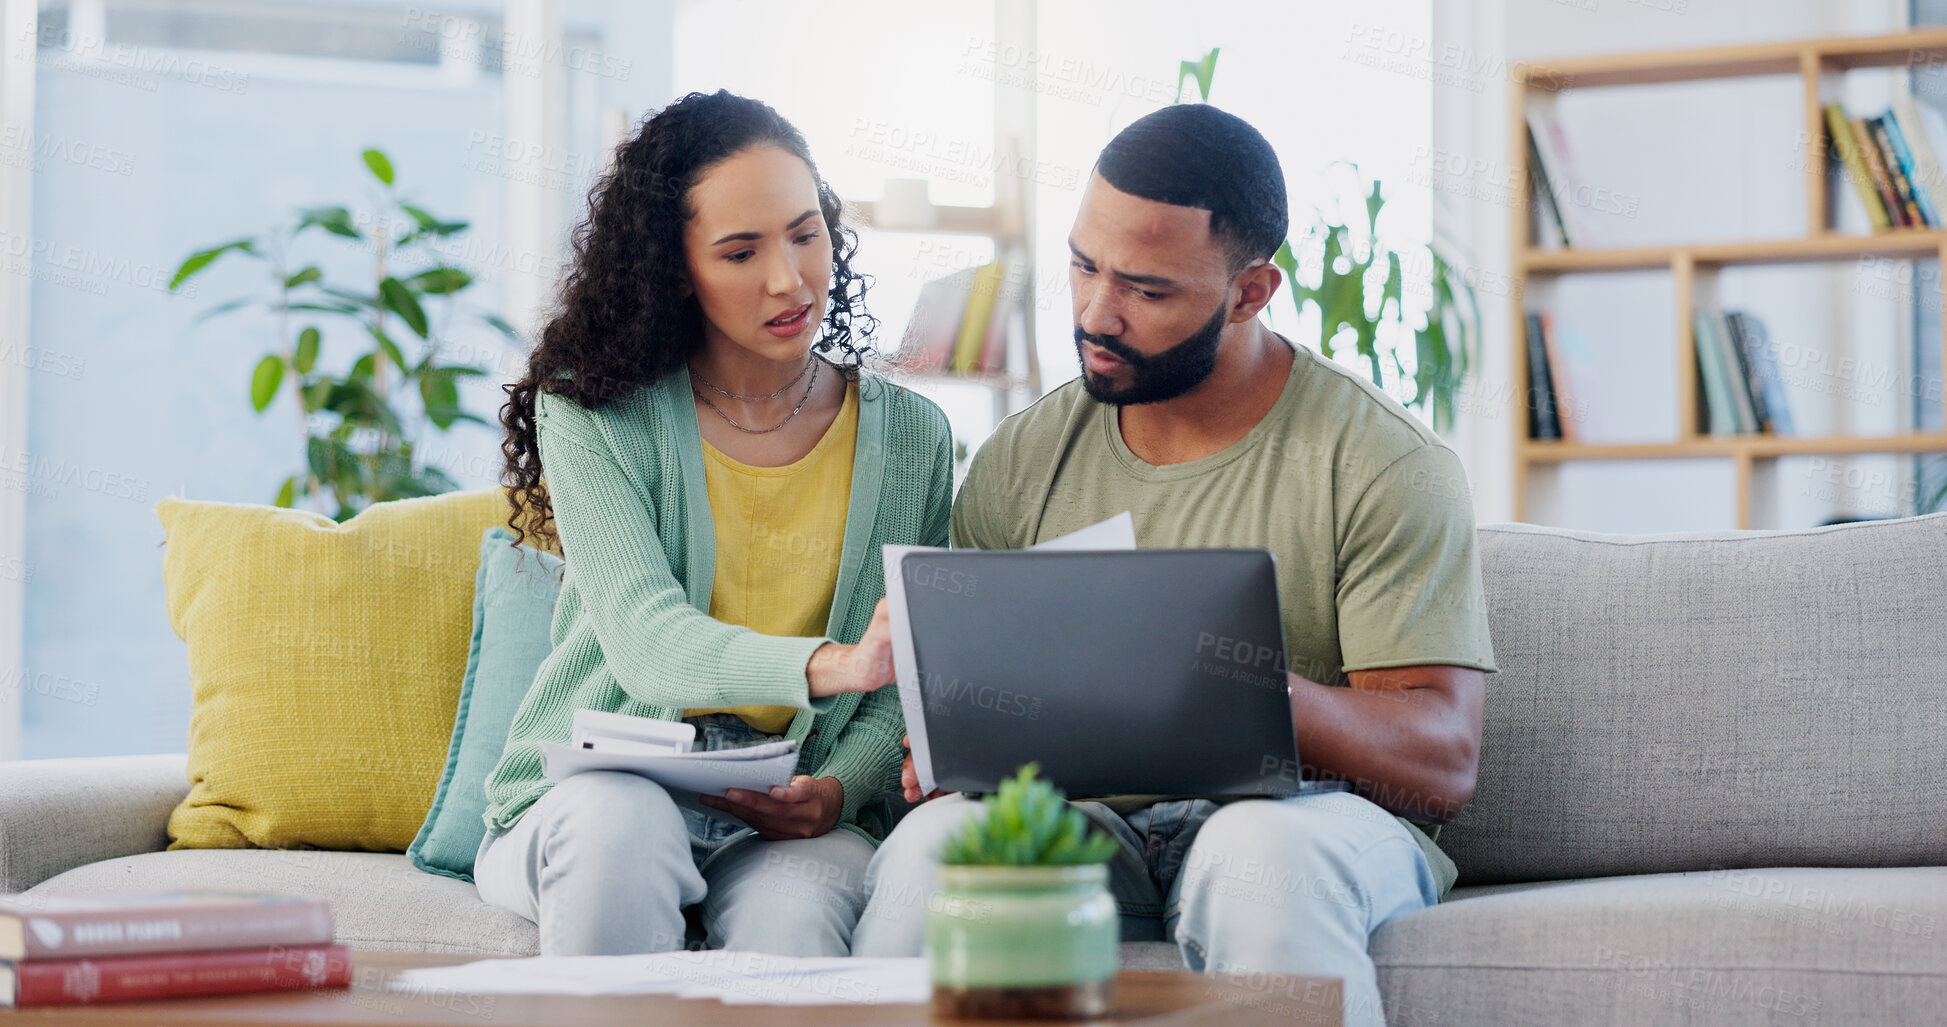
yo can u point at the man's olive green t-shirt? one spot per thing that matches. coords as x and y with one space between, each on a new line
1366 511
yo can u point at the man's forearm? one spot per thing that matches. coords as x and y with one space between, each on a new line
1410 746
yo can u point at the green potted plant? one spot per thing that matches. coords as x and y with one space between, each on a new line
358 424
1024 925
1382 299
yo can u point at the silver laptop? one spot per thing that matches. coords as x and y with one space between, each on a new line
1134 672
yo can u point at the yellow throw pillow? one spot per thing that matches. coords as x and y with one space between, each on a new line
325 662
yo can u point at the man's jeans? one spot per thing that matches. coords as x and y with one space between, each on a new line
605 863
1287 886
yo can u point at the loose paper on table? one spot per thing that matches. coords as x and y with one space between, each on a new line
734 978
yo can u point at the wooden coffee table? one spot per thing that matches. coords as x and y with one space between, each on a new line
1177 997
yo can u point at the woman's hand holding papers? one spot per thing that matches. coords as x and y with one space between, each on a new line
805 808
836 669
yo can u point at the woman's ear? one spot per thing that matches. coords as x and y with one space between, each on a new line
683 287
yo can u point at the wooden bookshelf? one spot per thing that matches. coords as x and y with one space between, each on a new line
1812 60
1005 224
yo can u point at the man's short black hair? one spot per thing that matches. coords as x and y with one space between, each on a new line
1194 155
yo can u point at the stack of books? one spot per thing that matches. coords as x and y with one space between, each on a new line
1743 391
962 324
1892 165
116 947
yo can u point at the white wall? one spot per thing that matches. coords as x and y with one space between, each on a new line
1695 161
157 402
17 18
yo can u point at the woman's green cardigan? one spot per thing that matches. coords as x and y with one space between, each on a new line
631 633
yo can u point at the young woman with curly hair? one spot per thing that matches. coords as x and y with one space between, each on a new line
697 432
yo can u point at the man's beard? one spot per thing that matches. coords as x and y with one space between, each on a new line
1155 379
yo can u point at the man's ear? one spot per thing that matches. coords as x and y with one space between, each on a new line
1255 286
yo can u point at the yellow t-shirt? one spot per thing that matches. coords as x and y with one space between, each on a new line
779 534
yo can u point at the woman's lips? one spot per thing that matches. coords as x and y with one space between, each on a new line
790 324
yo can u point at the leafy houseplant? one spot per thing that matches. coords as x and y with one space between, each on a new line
1024 925
358 428
1360 283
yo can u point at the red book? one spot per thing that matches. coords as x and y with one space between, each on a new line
123 923
73 982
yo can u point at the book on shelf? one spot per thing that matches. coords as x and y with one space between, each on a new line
64 982
962 324
125 923
1895 137
1926 164
1737 381
1895 170
1566 411
1742 391
1552 187
1720 417
972 338
1889 199
1764 379
1007 321
1892 164
1854 162
934 328
1542 420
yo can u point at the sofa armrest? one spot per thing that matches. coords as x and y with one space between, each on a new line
56 815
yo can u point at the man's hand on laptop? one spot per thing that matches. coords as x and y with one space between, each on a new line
836 669
805 808
909 777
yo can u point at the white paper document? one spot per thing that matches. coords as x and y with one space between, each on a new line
685 774
1116 533
735 978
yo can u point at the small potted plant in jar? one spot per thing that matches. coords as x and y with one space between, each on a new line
1024 925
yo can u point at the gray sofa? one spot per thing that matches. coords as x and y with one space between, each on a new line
1713 790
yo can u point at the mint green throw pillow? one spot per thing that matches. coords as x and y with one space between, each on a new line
513 604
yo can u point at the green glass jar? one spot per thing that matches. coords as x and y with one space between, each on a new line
1023 941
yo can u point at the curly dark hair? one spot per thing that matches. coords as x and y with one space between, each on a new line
622 319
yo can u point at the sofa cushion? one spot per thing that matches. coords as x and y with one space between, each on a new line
513 605
380 901
1728 946
325 662
1678 702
